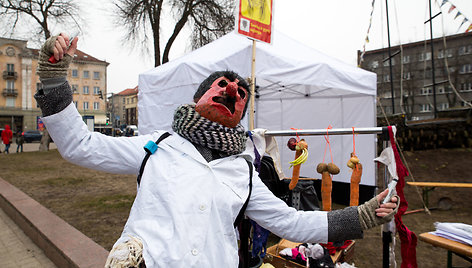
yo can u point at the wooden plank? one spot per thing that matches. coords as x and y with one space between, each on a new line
445 243
440 184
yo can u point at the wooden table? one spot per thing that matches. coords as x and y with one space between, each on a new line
429 186
462 250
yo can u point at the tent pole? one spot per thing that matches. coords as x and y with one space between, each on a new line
253 86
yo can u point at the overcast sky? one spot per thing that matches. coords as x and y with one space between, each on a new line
337 28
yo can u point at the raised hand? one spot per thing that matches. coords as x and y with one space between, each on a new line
55 56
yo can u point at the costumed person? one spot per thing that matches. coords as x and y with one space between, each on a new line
194 186
7 135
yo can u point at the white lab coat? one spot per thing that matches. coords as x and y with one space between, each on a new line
185 207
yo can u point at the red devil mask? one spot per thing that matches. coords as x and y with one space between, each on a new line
224 102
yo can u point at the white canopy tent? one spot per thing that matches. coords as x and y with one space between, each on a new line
297 87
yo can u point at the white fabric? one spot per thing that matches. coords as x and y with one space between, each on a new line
387 158
298 87
185 207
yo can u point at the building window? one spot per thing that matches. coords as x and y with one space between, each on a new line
127 100
424 56
75 73
466 87
387 61
96 75
426 91
466 68
407 76
443 106
441 54
449 52
75 89
124 101
86 74
464 50
96 90
406 59
96 106
76 103
86 90
386 78
86 106
10 67
10 102
10 84
374 64
425 108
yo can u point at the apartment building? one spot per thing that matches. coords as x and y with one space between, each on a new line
130 105
412 76
18 108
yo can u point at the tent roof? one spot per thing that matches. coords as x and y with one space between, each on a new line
285 64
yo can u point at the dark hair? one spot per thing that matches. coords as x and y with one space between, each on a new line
206 84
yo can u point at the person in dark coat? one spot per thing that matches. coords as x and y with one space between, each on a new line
20 139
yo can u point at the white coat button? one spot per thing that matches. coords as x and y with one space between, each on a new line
202 207
194 252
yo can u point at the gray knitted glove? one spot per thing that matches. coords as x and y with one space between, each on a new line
52 70
367 217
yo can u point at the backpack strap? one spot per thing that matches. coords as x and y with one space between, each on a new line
240 216
244 227
150 148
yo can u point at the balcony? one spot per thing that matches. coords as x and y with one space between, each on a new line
10 75
9 92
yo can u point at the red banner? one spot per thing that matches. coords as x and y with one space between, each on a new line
255 19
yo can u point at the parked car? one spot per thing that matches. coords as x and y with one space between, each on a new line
131 130
32 135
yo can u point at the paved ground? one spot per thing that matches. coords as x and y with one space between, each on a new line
27 147
17 250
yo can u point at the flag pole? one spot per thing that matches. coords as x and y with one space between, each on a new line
253 86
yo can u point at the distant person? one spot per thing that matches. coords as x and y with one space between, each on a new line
20 139
7 135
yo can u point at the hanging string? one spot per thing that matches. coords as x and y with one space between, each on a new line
353 142
354 145
296 133
328 144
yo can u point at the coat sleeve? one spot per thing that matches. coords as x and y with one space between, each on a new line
274 215
94 150
301 226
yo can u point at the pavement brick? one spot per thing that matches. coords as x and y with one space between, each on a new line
17 250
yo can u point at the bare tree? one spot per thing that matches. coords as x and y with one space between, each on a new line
38 15
208 20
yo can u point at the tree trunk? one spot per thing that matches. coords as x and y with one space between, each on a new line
44 145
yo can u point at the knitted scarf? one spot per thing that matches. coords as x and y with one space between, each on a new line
197 129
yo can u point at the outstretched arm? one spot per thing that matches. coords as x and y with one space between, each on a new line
317 226
72 137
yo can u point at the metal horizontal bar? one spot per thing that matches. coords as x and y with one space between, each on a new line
333 131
